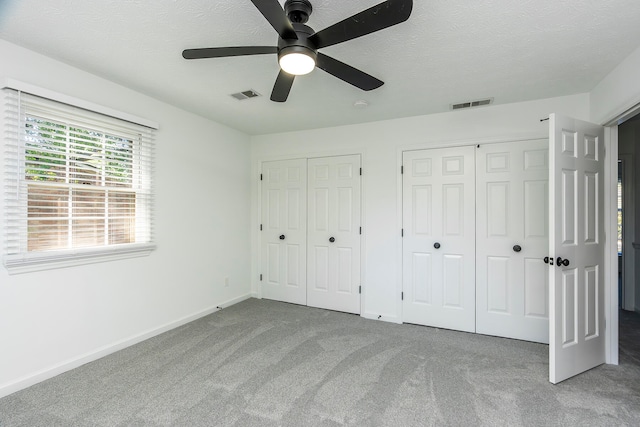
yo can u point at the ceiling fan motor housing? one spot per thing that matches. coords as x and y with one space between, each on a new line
298 11
301 45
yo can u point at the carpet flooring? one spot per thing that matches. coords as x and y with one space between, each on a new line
629 336
265 363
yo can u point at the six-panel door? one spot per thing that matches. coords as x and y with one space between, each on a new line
333 242
576 277
512 219
284 230
439 238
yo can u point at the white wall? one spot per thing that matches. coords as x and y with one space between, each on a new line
618 91
51 321
381 144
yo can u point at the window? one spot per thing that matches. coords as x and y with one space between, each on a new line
78 186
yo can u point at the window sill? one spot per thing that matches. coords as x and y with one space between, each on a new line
41 261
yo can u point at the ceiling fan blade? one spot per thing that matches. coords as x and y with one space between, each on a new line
374 19
282 87
221 52
345 72
274 13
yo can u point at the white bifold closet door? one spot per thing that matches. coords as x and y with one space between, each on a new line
512 284
439 238
333 239
284 232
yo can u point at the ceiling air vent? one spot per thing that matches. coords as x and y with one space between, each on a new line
240 96
470 104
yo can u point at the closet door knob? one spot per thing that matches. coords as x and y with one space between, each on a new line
332 239
560 262
517 248
436 245
282 237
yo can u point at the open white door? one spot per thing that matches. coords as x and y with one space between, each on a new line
576 257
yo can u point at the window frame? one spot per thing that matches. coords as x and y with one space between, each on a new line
16 257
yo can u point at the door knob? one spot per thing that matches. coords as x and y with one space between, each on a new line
332 239
517 248
560 262
282 237
546 260
436 245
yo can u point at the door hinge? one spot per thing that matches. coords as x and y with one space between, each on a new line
401 170
359 289
261 277
401 296
360 230
360 171
260 177
260 227
402 232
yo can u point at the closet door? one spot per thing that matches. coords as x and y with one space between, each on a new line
439 238
333 274
512 285
284 229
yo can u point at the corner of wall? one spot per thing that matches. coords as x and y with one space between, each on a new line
617 92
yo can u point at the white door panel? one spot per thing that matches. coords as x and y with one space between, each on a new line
512 209
333 274
439 235
576 330
284 220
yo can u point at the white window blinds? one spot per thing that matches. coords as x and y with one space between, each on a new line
78 185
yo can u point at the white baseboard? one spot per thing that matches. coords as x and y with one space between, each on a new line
31 379
230 303
383 317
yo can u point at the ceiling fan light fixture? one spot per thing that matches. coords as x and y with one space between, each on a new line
297 60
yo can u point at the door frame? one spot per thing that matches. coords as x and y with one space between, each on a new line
619 116
611 243
628 226
256 236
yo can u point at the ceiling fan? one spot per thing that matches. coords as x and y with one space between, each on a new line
298 44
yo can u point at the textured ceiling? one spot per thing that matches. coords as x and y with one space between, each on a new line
447 52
